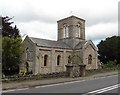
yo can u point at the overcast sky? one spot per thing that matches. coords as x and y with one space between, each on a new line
37 18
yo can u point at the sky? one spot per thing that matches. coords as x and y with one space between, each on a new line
38 18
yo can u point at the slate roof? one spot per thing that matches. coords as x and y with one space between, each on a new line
50 43
80 45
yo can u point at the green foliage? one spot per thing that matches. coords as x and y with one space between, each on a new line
11 54
11 47
7 29
109 49
111 64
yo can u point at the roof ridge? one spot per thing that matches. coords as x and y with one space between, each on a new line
49 43
42 39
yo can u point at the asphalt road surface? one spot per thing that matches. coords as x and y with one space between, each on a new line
107 84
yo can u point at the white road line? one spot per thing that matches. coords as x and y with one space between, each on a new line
108 89
72 82
103 89
14 90
58 84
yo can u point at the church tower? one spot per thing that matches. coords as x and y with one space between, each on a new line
71 30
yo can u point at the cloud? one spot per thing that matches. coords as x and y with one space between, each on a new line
39 30
50 11
38 18
101 31
24 11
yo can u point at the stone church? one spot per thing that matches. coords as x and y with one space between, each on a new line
42 56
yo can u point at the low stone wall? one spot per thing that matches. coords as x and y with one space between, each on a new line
34 77
96 71
17 78
54 75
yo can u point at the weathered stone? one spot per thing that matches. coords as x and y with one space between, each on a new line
82 70
73 70
41 55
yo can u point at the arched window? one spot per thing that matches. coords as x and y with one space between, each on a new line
58 60
65 31
45 60
69 59
28 54
90 59
27 67
78 31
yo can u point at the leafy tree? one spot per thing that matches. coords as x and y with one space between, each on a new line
109 49
7 29
11 47
11 55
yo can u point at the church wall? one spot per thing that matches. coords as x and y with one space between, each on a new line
79 53
52 60
28 55
90 51
60 67
67 53
40 53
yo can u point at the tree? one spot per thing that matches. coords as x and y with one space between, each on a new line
7 29
11 47
11 55
109 49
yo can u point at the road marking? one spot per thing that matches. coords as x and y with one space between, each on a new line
14 90
103 89
59 83
72 82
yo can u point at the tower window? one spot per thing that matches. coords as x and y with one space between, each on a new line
65 31
78 31
45 60
58 60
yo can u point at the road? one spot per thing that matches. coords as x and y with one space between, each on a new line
107 84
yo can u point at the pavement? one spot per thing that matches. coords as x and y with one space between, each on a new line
34 83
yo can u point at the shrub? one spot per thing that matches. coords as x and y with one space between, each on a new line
111 64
